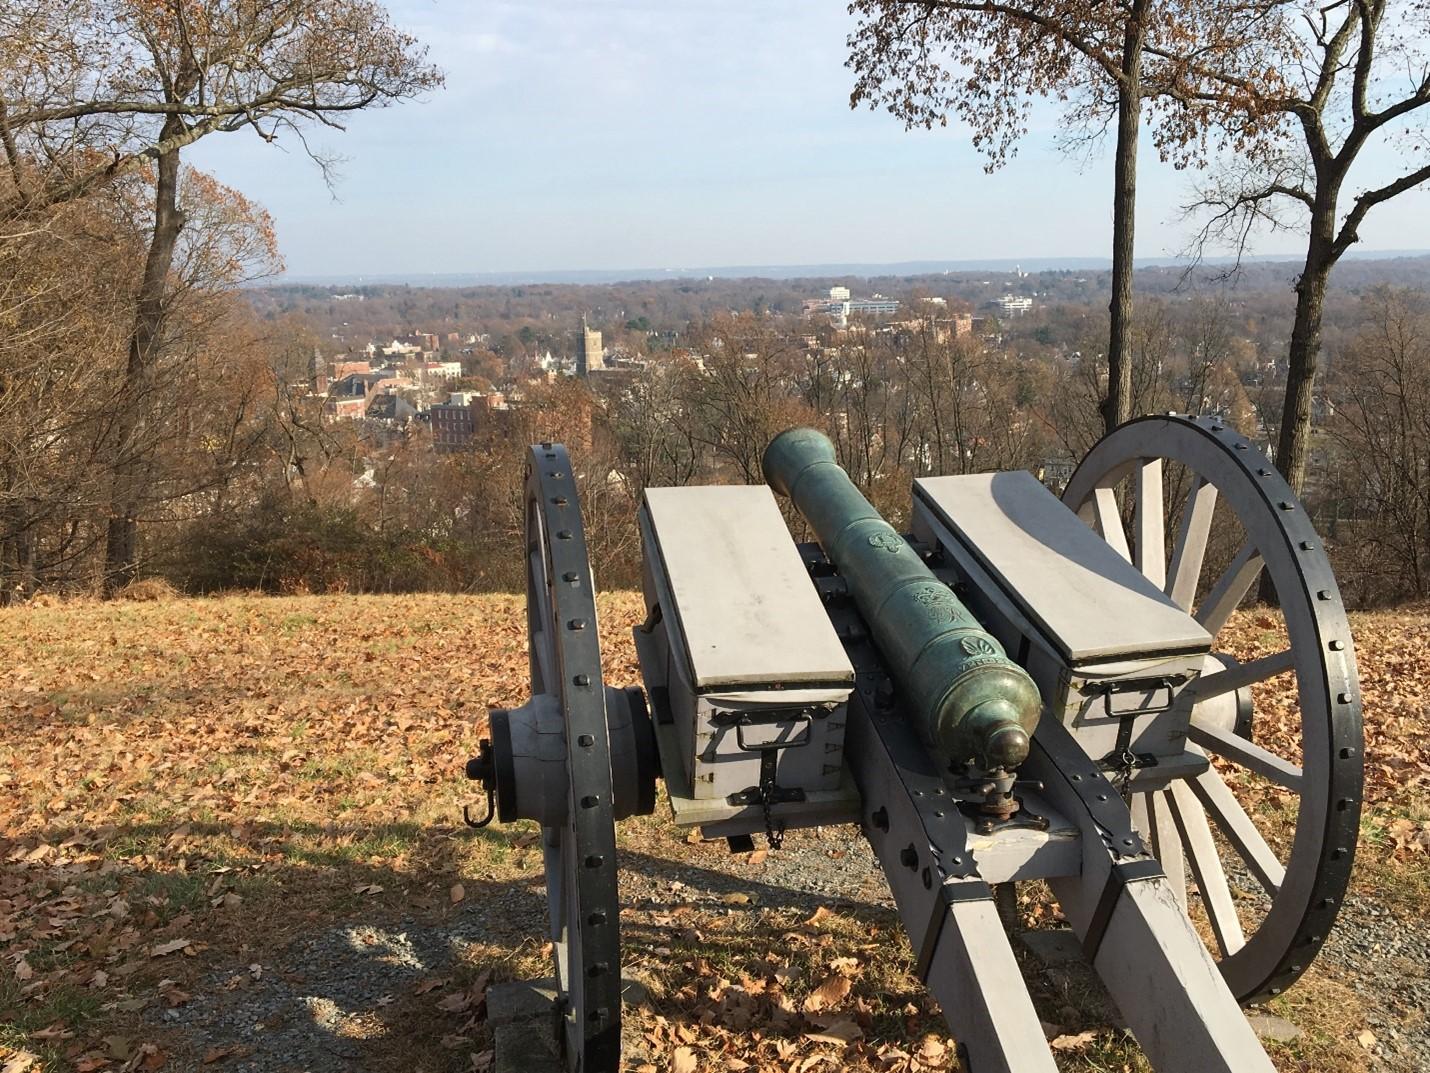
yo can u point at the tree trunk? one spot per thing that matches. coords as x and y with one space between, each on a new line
1117 405
1304 358
1294 446
127 463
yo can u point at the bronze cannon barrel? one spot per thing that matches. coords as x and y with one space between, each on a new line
976 705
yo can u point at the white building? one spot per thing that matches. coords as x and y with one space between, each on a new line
442 370
1014 305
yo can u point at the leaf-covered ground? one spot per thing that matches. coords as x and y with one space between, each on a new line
229 829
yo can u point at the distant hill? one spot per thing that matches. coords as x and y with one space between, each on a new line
811 271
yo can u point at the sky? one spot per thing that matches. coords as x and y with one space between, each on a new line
607 134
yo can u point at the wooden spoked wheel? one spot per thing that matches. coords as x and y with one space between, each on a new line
1260 845
579 852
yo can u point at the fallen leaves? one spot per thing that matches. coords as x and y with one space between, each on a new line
1407 836
842 1032
231 1050
467 999
265 714
1072 1042
830 992
173 946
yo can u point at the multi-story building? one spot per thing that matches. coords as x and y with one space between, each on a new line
590 356
878 305
840 306
456 422
440 370
1014 305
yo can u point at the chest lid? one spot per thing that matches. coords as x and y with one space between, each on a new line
743 606
1087 601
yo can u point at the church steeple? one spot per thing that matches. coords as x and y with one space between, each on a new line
589 354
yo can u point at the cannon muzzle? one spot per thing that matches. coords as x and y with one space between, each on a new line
976 705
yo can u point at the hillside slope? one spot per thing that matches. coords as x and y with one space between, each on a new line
229 832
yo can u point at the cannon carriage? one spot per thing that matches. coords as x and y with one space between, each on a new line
1020 688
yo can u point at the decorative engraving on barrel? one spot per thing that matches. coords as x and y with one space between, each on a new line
890 542
940 601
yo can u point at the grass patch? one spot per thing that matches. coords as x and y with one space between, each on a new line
172 893
21 1017
339 767
1398 878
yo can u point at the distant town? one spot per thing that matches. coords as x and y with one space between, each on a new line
419 380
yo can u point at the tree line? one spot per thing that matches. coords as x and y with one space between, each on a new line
898 403
125 384
1277 101
152 421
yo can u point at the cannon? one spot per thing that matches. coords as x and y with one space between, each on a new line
1024 686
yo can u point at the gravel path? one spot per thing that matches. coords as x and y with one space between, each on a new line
1387 957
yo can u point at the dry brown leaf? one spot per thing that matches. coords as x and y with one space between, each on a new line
456 1002
1072 1042
683 1061
457 893
173 946
842 1032
232 1050
831 991
820 915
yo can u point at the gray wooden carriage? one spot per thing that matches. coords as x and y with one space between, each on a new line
1023 687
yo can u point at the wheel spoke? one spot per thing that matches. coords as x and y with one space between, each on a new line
1202 854
1240 830
1241 675
1167 844
1230 589
542 633
1191 543
1108 521
1247 753
1151 538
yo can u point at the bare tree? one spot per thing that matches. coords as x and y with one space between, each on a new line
1351 75
654 430
748 394
149 79
1381 432
986 62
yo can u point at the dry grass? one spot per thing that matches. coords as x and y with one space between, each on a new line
237 772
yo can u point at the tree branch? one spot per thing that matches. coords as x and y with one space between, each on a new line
1347 237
